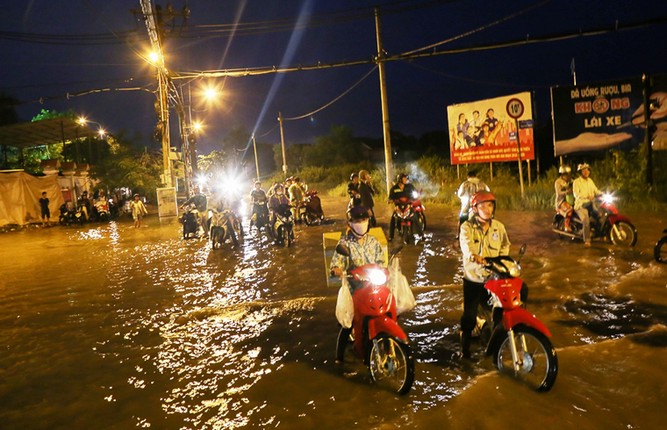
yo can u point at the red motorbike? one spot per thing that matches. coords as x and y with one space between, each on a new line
310 212
610 224
520 345
419 209
404 220
376 336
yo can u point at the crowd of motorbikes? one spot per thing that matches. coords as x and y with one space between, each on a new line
101 209
516 340
223 226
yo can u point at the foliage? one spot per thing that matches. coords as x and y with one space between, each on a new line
624 173
215 160
337 148
125 166
50 114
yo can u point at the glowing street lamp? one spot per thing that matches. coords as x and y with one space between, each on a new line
197 126
101 132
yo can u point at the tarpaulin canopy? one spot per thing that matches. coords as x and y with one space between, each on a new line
20 194
44 132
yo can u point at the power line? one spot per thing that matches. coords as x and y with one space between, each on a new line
225 30
410 55
334 100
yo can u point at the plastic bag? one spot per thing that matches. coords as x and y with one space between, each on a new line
398 283
345 305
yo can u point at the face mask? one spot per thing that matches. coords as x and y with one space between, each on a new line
279 193
359 228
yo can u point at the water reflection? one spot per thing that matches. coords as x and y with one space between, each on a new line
115 327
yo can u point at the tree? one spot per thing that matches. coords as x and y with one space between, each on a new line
126 166
214 161
338 147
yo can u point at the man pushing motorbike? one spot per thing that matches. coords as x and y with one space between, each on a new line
481 236
364 249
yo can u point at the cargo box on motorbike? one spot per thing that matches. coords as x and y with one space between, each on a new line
330 240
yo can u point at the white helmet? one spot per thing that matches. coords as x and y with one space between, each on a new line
583 166
564 169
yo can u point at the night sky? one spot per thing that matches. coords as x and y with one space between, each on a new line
51 48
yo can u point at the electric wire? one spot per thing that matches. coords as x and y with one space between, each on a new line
343 94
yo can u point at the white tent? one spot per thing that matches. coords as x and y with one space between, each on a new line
20 194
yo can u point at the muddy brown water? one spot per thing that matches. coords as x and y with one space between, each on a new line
112 327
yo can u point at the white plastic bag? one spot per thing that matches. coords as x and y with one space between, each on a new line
345 305
398 283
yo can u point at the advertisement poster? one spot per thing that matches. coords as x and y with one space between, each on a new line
166 202
658 109
486 131
597 116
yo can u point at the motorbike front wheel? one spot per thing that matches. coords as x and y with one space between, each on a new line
660 251
537 362
406 233
422 220
391 364
623 233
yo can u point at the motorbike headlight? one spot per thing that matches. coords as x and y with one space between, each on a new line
377 276
514 270
415 195
608 198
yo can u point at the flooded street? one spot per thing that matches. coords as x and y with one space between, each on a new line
111 327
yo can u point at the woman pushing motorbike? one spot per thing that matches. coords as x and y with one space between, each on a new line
364 249
374 299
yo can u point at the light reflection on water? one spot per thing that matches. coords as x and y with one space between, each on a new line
122 327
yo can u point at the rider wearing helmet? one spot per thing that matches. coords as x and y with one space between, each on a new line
403 189
353 190
297 196
585 191
366 193
364 248
277 202
259 201
481 236
466 190
564 196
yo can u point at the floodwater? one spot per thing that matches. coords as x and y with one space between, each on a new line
111 327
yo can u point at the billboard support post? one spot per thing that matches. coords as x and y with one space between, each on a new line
515 110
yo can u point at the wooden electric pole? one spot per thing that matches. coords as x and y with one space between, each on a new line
383 98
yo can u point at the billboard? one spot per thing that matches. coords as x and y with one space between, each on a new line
658 108
486 131
597 116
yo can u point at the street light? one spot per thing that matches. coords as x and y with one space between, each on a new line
83 122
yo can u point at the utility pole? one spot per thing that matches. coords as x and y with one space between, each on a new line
383 97
282 142
163 87
254 147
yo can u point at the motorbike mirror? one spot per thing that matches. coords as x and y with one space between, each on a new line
522 251
343 250
394 251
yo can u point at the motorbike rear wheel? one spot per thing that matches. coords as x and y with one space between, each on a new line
391 364
660 250
538 363
623 233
